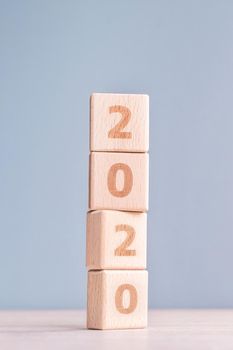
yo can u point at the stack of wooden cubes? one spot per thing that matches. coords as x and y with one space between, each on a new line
117 220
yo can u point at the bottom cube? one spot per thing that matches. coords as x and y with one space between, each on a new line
117 299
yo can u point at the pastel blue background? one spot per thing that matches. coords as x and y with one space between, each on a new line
53 55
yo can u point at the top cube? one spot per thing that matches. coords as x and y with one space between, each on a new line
119 122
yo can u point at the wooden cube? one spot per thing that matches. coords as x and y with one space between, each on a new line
116 240
118 181
119 122
117 299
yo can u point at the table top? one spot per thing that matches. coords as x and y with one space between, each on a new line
168 329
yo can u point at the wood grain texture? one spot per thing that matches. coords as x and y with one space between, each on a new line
168 329
125 188
119 122
117 299
116 240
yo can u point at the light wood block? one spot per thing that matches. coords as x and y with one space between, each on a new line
116 240
117 299
118 181
119 122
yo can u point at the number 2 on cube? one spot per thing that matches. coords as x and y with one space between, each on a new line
116 132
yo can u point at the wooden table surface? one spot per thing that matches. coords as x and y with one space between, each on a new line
168 329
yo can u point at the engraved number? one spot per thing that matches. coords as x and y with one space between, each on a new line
119 298
122 249
128 180
116 132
